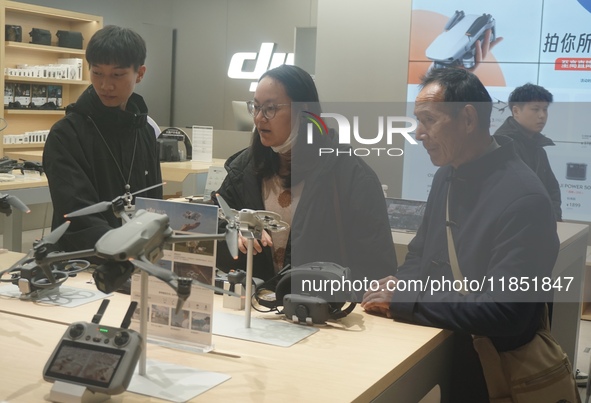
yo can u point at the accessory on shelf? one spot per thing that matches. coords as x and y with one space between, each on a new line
69 39
40 36
13 33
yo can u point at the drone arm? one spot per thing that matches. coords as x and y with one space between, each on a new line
55 257
458 15
125 218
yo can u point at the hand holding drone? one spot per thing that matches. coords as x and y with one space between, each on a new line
252 223
465 41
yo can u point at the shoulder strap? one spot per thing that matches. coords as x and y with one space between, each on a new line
453 258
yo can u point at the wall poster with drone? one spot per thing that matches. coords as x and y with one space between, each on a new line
550 47
194 259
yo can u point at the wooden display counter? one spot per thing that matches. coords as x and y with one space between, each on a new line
570 263
361 358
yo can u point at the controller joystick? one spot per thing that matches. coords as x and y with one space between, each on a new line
121 339
76 330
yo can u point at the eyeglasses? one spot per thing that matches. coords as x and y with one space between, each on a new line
269 110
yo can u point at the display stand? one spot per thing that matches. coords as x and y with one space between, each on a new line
173 382
248 292
163 380
63 392
252 224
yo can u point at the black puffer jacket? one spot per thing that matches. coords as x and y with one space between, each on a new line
364 241
531 151
82 170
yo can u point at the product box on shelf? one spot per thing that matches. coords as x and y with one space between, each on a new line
38 94
22 93
8 93
75 70
54 94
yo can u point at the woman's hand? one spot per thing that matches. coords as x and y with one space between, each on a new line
257 244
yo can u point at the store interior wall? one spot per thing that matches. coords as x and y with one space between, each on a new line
209 33
361 53
362 56
152 19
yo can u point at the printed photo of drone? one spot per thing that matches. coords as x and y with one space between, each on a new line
457 44
137 244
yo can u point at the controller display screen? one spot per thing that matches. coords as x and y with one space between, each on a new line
85 364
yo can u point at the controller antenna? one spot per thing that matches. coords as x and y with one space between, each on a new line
99 314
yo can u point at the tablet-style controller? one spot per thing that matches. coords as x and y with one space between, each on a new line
101 358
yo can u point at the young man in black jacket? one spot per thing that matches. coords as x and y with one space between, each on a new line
529 106
106 144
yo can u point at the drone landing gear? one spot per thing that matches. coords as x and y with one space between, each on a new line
63 392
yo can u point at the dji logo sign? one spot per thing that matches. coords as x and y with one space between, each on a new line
265 60
386 129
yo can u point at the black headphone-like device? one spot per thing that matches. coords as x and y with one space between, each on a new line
307 293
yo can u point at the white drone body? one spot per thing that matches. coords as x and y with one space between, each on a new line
251 223
455 46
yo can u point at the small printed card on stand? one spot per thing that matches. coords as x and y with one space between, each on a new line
215 177
202 142
190 329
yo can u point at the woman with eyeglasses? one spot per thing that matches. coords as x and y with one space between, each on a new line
334 204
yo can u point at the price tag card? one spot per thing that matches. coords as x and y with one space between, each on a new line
202 142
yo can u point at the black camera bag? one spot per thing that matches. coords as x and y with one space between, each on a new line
40 36
13 33
69 39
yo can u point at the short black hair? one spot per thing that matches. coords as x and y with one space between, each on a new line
529 93
118 46
461 88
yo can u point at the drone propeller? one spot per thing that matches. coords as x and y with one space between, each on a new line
40 250
14 202
105 205
165 275
55 235
95 208
231 227
52 238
